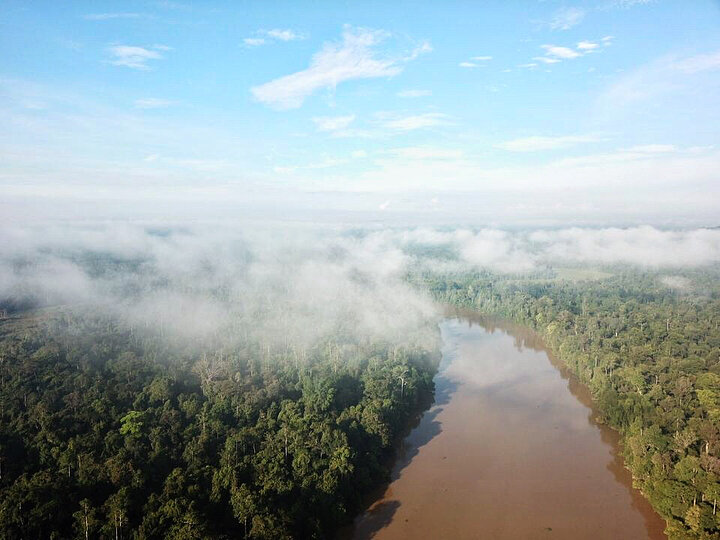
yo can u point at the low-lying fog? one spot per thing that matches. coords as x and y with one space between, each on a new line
302 282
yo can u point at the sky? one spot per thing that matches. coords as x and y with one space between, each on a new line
546 113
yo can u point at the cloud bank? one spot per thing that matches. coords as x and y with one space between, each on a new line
288 285
302 284
522 251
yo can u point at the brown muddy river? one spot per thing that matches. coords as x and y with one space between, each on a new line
509 450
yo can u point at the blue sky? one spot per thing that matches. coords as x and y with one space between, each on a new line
476 112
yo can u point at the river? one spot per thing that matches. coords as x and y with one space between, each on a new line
509 450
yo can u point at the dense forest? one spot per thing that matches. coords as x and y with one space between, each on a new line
649 353
115 428
107 431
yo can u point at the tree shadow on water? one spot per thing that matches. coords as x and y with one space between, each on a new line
426 427
423 428
444 389
375 519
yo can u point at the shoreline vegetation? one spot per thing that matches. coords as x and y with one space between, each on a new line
651 360
110 429
111 432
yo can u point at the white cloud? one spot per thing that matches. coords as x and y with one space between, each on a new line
276 34
134 57
564 53
333 123
528 65
493 249
536 143
423 48
475 61
414 93
383 124
546 60
619 187
301 283
284 35
587 46
153 103
311 283
514 252
566 18
418 121
700 149
254 42
354 58
642 246
556 53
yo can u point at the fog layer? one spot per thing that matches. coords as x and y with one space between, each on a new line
299 283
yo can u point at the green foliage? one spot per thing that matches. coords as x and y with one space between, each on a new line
131 424
651 358
106 432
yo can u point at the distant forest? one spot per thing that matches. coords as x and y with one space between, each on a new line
109 431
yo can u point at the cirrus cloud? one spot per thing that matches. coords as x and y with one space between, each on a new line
353 58
135 57
276 34
333 123
417 121
153 103
566 18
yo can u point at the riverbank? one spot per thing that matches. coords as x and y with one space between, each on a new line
510 449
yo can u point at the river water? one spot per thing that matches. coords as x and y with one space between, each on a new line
509 450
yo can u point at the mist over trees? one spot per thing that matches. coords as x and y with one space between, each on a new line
197 277
200 381
112 432
182 384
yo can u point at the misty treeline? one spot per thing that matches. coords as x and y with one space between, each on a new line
207 382
177 384
189 384
650 354
109 432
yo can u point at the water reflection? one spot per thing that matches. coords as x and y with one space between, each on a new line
510 449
